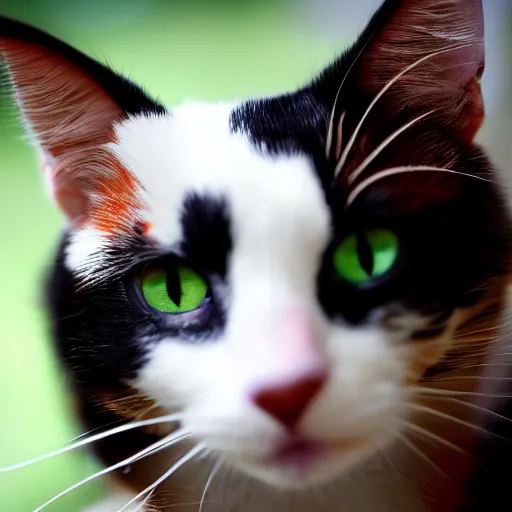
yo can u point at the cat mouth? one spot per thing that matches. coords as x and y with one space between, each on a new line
302 461
299 454
296 460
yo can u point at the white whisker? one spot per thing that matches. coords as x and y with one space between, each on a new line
420 454
375 153
470 377
88 433
93 439
186 458
213 473
448 392
383 91
328 143
494 329
430 435
483 365
445 416
339 135
155 447
146 501
400 170
474 406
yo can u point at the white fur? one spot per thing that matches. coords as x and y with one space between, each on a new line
84 243
280 225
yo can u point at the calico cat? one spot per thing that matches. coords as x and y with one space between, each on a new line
284 303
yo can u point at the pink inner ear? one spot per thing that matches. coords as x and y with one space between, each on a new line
68 197
419 28
68 113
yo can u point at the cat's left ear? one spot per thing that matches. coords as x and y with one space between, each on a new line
70 104
434 49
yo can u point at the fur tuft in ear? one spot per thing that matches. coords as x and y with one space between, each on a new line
441 43
71 104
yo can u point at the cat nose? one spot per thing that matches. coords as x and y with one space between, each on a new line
287 401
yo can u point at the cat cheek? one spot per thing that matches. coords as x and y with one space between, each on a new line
424 357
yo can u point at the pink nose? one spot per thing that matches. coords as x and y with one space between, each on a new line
287 401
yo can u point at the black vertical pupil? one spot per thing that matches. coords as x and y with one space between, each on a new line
173 285
365 253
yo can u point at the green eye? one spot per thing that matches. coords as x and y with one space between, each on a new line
366 256
174 290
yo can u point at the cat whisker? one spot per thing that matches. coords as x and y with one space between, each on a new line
471 377
339 136
150 450
483 365
430 435
212 475
97 437
146 501
467 424
194 452
420 454
452 393
383 91
474 406
175 505
377 151
330 130
400 170
506 347
493 329
459 340
89 432
448 417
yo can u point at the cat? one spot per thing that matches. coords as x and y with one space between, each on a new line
278 303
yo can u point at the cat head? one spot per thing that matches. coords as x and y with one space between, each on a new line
289 274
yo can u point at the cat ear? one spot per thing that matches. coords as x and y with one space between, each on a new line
70 104
434 49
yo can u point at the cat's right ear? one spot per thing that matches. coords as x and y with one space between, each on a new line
70 104
422 57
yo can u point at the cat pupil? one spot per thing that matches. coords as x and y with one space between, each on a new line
365 253
173 285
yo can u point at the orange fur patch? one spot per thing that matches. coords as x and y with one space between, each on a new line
118 203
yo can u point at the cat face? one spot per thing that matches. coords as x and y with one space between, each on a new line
284 274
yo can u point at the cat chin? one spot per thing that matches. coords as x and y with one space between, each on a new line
303 465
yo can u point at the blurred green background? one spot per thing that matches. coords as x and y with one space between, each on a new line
178 50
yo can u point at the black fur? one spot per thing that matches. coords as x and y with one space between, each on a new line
206 233
490 486
102 329
451 249
96 418
97 329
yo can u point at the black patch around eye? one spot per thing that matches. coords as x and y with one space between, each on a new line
206 228
101 331
96 329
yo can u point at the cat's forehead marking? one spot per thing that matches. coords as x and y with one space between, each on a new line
271 200
193 150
